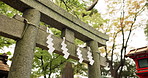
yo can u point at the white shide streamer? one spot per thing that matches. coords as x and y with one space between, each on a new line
79 53
49 31
89 55
49 41
50 44
64 48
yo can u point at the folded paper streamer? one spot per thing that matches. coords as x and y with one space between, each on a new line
50 42
64 48
49 31
79 53
89 55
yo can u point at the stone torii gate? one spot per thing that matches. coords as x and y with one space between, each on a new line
28 34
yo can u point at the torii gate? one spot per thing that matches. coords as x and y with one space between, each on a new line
28 34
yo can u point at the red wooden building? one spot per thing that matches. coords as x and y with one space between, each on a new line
4 68
140 56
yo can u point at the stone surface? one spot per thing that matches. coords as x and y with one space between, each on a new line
24 51
55 16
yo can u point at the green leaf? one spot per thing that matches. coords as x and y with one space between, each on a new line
9 53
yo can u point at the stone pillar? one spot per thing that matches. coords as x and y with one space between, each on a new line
94 70
24 50
69 36
67 71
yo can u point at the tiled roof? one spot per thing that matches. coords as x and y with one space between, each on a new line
138 51
3 67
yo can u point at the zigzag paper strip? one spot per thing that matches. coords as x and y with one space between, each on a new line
79 53
64 48
49 31
89 55
50 44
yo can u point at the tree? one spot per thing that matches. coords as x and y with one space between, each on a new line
123 19
146 28
120 25
47 64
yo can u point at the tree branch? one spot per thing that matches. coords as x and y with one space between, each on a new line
92 6
43 69
62 62
113 48
125 45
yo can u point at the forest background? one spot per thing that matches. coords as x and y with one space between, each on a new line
120 19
